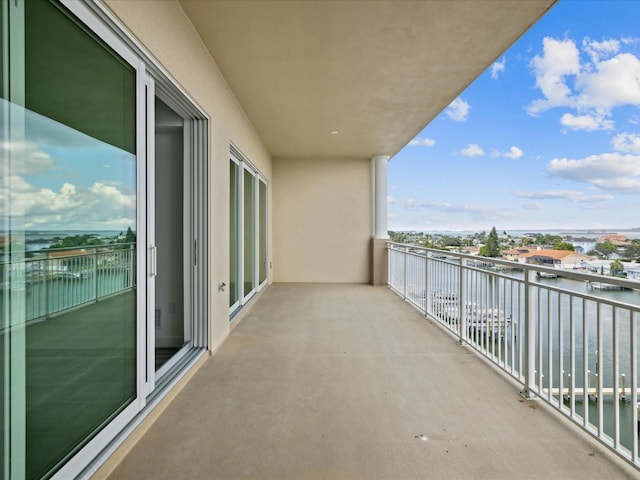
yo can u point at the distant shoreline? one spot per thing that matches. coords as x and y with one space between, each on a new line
630 232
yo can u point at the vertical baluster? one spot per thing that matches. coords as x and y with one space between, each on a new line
462 317
560 351
599 370
538 316
585 363
427 285
633 334
95 275
616 380
549 346
404 275
512 329
572 358
529 334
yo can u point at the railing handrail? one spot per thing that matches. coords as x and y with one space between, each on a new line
55 284
566 273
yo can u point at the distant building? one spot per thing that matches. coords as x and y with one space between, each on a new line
470 250
633 273
582 245
515 254
615 239
620 241
554 258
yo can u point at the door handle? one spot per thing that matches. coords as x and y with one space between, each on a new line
153 261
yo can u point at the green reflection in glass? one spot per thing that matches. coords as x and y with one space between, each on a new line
80 361
73 78
249 232
3 234
233 232
262 199
72 170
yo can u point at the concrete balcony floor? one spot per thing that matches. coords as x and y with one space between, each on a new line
350 382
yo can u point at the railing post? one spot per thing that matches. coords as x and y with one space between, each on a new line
462 301
389 252
529 336
45 273
404 273
95 274
132 272
428 300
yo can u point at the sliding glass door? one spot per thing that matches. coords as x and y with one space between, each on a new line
103 236
234 234
248 263
69 194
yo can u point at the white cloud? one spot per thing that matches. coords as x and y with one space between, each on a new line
514 152
591 86
413 204
32 160
424 142
586 122
627 142
613 83
571 195
111 195
560 58
473 150
621 184
533 206
458 110
597 50
498 67
100 206
608 171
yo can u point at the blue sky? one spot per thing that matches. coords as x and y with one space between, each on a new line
548 137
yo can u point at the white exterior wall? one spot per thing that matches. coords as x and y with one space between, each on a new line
322 220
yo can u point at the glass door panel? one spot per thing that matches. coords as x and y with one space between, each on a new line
69 211
234 230
170 227
249 233
262 232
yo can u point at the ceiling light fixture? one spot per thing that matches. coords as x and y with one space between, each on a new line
334 132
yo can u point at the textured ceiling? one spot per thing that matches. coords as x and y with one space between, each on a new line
375 71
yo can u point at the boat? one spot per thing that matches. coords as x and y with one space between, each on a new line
546 275
485 321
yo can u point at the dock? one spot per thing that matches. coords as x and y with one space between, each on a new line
621 392
606 286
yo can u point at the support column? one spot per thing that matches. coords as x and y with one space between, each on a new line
380 196
379 263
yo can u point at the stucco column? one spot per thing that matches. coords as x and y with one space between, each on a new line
380 196
379 263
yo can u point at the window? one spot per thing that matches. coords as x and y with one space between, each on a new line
248 267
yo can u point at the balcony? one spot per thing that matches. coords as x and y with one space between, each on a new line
349 381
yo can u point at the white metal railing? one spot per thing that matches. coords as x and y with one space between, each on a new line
60 279
569 338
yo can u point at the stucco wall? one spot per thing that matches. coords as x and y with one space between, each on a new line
322 220
165 31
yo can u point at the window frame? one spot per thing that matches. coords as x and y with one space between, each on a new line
245 166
